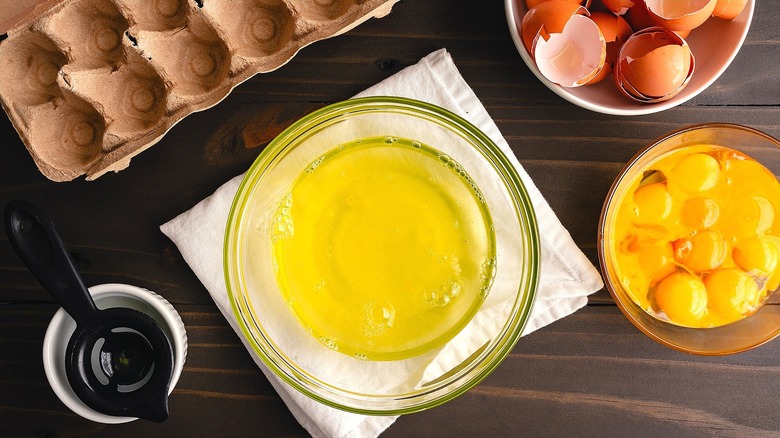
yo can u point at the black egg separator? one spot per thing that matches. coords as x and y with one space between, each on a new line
118 361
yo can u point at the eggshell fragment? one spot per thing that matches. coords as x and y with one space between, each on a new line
619 7
574 56
616 31
547 18
683 33
638 17
729 9
653 65
613 27
661 72
680 15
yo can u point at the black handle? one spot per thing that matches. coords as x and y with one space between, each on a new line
37 243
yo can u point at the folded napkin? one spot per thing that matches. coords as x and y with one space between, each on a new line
567 276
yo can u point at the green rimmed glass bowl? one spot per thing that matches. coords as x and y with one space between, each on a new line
351 383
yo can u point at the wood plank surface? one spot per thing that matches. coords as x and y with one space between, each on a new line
590 374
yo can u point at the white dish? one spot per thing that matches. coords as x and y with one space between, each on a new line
105 296
714 45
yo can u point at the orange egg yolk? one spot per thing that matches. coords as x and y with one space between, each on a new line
750 216
704 251
657 260
682 297
757 254
699 213
732 293
696 172
695 238
654 202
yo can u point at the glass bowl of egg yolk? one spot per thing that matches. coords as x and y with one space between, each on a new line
689 239
382 255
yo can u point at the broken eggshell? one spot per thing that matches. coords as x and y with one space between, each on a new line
547 18
619 7
653 65
714 44
616 31
729 9
679 15
638 17
574 56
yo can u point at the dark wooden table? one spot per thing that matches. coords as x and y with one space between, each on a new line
590 374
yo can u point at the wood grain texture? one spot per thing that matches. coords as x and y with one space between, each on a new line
590 374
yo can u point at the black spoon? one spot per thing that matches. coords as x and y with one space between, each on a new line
118 361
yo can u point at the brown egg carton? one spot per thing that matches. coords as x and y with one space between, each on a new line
88 84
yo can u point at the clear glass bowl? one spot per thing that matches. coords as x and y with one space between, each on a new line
360 385
750 332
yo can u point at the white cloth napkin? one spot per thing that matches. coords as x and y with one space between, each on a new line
567 276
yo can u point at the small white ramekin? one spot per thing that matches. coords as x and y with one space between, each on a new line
61 328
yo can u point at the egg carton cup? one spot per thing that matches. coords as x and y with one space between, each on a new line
89 84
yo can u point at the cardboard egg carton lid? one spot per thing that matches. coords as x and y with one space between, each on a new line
89 84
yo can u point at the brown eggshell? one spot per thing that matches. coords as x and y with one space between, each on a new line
602 74
653 65
616 31
574 56
619 7
680 15
683 33
661 72
548 17
729 9
638 17
613 27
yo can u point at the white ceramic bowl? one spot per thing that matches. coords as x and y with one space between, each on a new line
61 328
714 45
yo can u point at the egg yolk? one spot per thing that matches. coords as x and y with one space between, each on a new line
740 168
748 216
654 202
697 172
756 254
700 212
704 251
695 237
773 279
682 297
732 293
657 260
